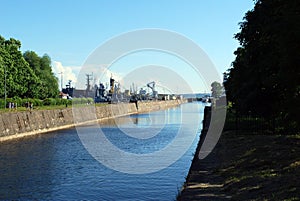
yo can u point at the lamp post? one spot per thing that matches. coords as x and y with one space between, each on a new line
4 87
4 82
61 80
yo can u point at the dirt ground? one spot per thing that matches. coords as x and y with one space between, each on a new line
244 166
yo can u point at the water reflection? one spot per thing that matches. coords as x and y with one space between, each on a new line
56 166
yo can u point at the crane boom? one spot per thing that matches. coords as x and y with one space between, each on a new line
151 85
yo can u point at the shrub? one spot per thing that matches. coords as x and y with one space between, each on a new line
49 101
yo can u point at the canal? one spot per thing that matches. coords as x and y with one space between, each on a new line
57 165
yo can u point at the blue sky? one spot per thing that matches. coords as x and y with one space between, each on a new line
69 30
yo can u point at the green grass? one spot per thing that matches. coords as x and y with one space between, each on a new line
22 109
255 171
51 107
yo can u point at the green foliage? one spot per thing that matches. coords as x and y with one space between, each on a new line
264 77
28 76
42 68
216 89
15 71
82 100
38 102
49 101
56 101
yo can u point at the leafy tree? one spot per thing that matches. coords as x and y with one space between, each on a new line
264 77
216 89
16 70
42 68
26 76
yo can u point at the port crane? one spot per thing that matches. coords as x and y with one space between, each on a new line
151 85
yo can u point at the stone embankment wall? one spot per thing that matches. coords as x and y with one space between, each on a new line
20 124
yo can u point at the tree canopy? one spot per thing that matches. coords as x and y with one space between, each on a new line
216 89
26 76
41 66
265 76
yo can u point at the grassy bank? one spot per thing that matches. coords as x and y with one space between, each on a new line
47 104
50 107
244 166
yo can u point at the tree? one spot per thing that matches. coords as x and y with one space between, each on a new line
16 70
216 89
28 75
264 77
42 68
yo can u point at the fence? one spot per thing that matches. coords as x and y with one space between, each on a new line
259 125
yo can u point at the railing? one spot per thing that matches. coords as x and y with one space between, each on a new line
258 124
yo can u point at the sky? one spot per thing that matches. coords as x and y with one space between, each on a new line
69 31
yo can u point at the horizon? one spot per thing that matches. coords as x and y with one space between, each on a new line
70 31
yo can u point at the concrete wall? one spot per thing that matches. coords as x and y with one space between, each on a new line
19 124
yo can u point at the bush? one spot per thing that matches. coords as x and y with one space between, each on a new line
46 102
36 102
82 100
49 101
17 101
2 103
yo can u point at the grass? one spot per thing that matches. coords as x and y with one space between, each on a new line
22 109
50 107
250 167
261 172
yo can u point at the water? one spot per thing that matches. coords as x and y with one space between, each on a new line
56 165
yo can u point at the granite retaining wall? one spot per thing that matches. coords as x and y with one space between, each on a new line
20 124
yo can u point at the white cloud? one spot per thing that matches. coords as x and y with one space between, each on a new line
106 74
68 73
99 74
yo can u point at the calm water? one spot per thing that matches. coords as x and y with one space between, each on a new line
56 165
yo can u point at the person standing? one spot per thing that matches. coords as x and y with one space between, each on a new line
30 106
